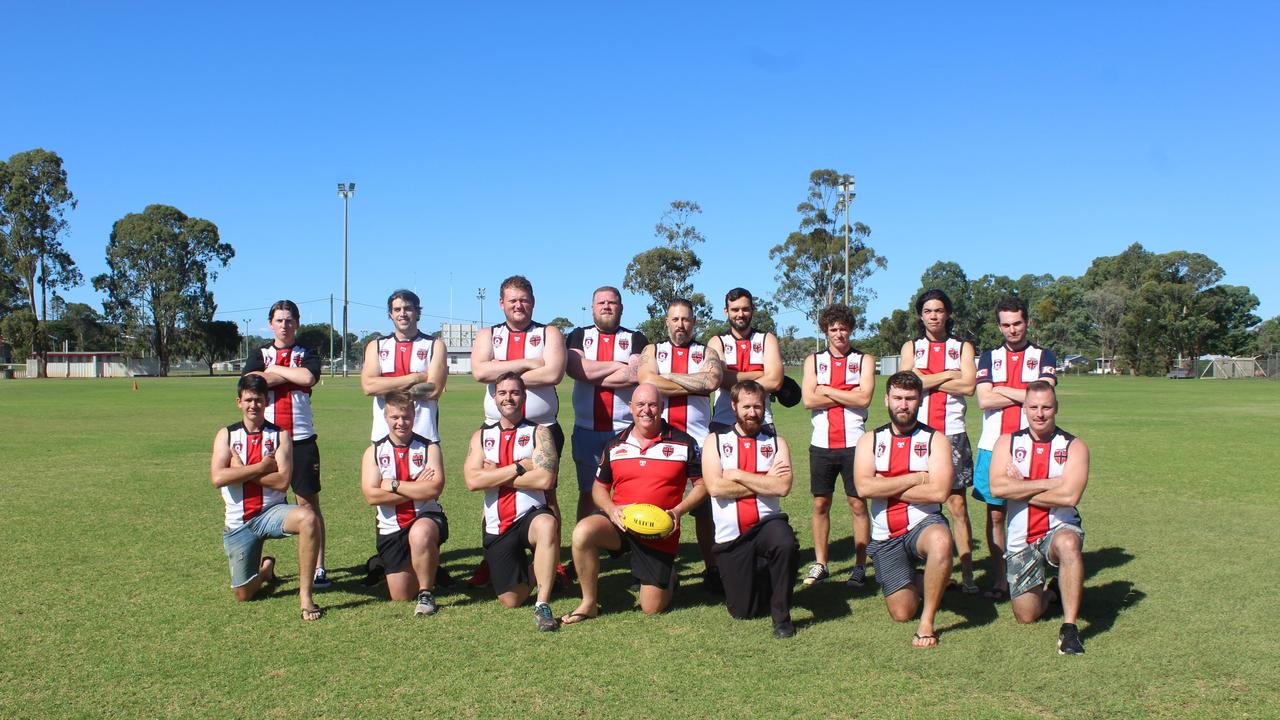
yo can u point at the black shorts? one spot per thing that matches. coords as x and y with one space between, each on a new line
505 553
305 480
825 465
393 549
649 566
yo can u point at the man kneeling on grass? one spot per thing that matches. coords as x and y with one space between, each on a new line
1042 471
905 468
402 476
252 464
514 462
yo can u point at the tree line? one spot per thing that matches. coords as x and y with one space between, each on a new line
1142 308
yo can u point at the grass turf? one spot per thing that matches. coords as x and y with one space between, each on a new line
117 603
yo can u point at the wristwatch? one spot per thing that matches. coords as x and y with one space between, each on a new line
519 470
395 486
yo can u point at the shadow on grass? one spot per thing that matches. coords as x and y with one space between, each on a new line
1104 558
1103 604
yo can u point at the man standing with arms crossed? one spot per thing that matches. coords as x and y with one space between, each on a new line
407 360
837 387
402 476
291 371
747 470
251 466
748 354
514 463
905 468
686 372
945 366
1003 375
1042 472
602 359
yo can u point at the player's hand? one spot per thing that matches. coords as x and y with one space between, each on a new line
1012 472
427 475
268 465
235 461
488 465
616 516
675 517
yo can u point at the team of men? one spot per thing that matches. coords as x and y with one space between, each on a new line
647 431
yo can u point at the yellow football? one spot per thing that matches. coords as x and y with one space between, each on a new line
647 521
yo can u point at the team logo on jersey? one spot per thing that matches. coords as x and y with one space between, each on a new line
726 448
497 340
822 367
757 347
996 365
488 443
588 342
237 447
383 354
900 443
384 461
920 353
418 458
268 446
620 450
953 353
422 354
624 343
921 449
1031 363
668 451
522 440
662 355
1060 456
696 357
880 450
984 373
1039 451
1050 370
535 340
766 451
1020 454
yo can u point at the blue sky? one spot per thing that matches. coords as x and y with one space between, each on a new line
547 139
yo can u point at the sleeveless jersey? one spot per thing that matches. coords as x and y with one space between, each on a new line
601 408
288 405
503 506
403 464
735 516
899 455
541 404
838 427
1037 461
1004 367
939 410
247 500
690 413
397 358
744 356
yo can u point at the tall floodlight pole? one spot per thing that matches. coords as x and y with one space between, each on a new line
480 293
246 340
847 188
345 191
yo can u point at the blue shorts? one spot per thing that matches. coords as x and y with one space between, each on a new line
244 544
587 446
982 480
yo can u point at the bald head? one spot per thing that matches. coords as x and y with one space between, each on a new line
646 410
647 392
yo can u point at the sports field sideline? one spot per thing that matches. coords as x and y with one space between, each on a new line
116 600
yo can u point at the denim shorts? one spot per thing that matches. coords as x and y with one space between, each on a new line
244 544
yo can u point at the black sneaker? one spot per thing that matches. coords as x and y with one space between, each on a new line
321 580
857 578
711 581
1069 640
784 629
543 619
426 604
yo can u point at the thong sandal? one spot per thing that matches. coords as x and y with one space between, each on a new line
312 614
922 638
574 618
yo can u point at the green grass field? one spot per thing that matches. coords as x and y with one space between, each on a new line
116 602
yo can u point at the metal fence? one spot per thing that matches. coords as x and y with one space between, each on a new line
1270 365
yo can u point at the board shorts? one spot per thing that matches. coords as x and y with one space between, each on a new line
1025 569
305 479
961 461
649 566
393 549
505 552
895 559
244 544
982 480
587 446
824 465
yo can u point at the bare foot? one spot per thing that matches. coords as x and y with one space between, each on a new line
267 569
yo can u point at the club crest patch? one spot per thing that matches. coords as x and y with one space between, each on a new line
919 353
588 342
237 447
757 347
1032 363
384 461
880 450
419 458
522 440
953 353
996 365
662 355
383 354
921 449
535 340
822 367
668 451
422 354
1060 456
766 451
726 449
488 443
497 340
624 343
696 357
268 446
1020 454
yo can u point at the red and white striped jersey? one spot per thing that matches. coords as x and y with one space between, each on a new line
838 427
503 506
541 403
288 405
735 516
899 455
690 413
1037 461
939 410
1004 367
652 471
743 355
404 464
247 500
596 407
397 358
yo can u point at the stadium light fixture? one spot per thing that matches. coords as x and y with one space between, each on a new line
480 293
345 193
